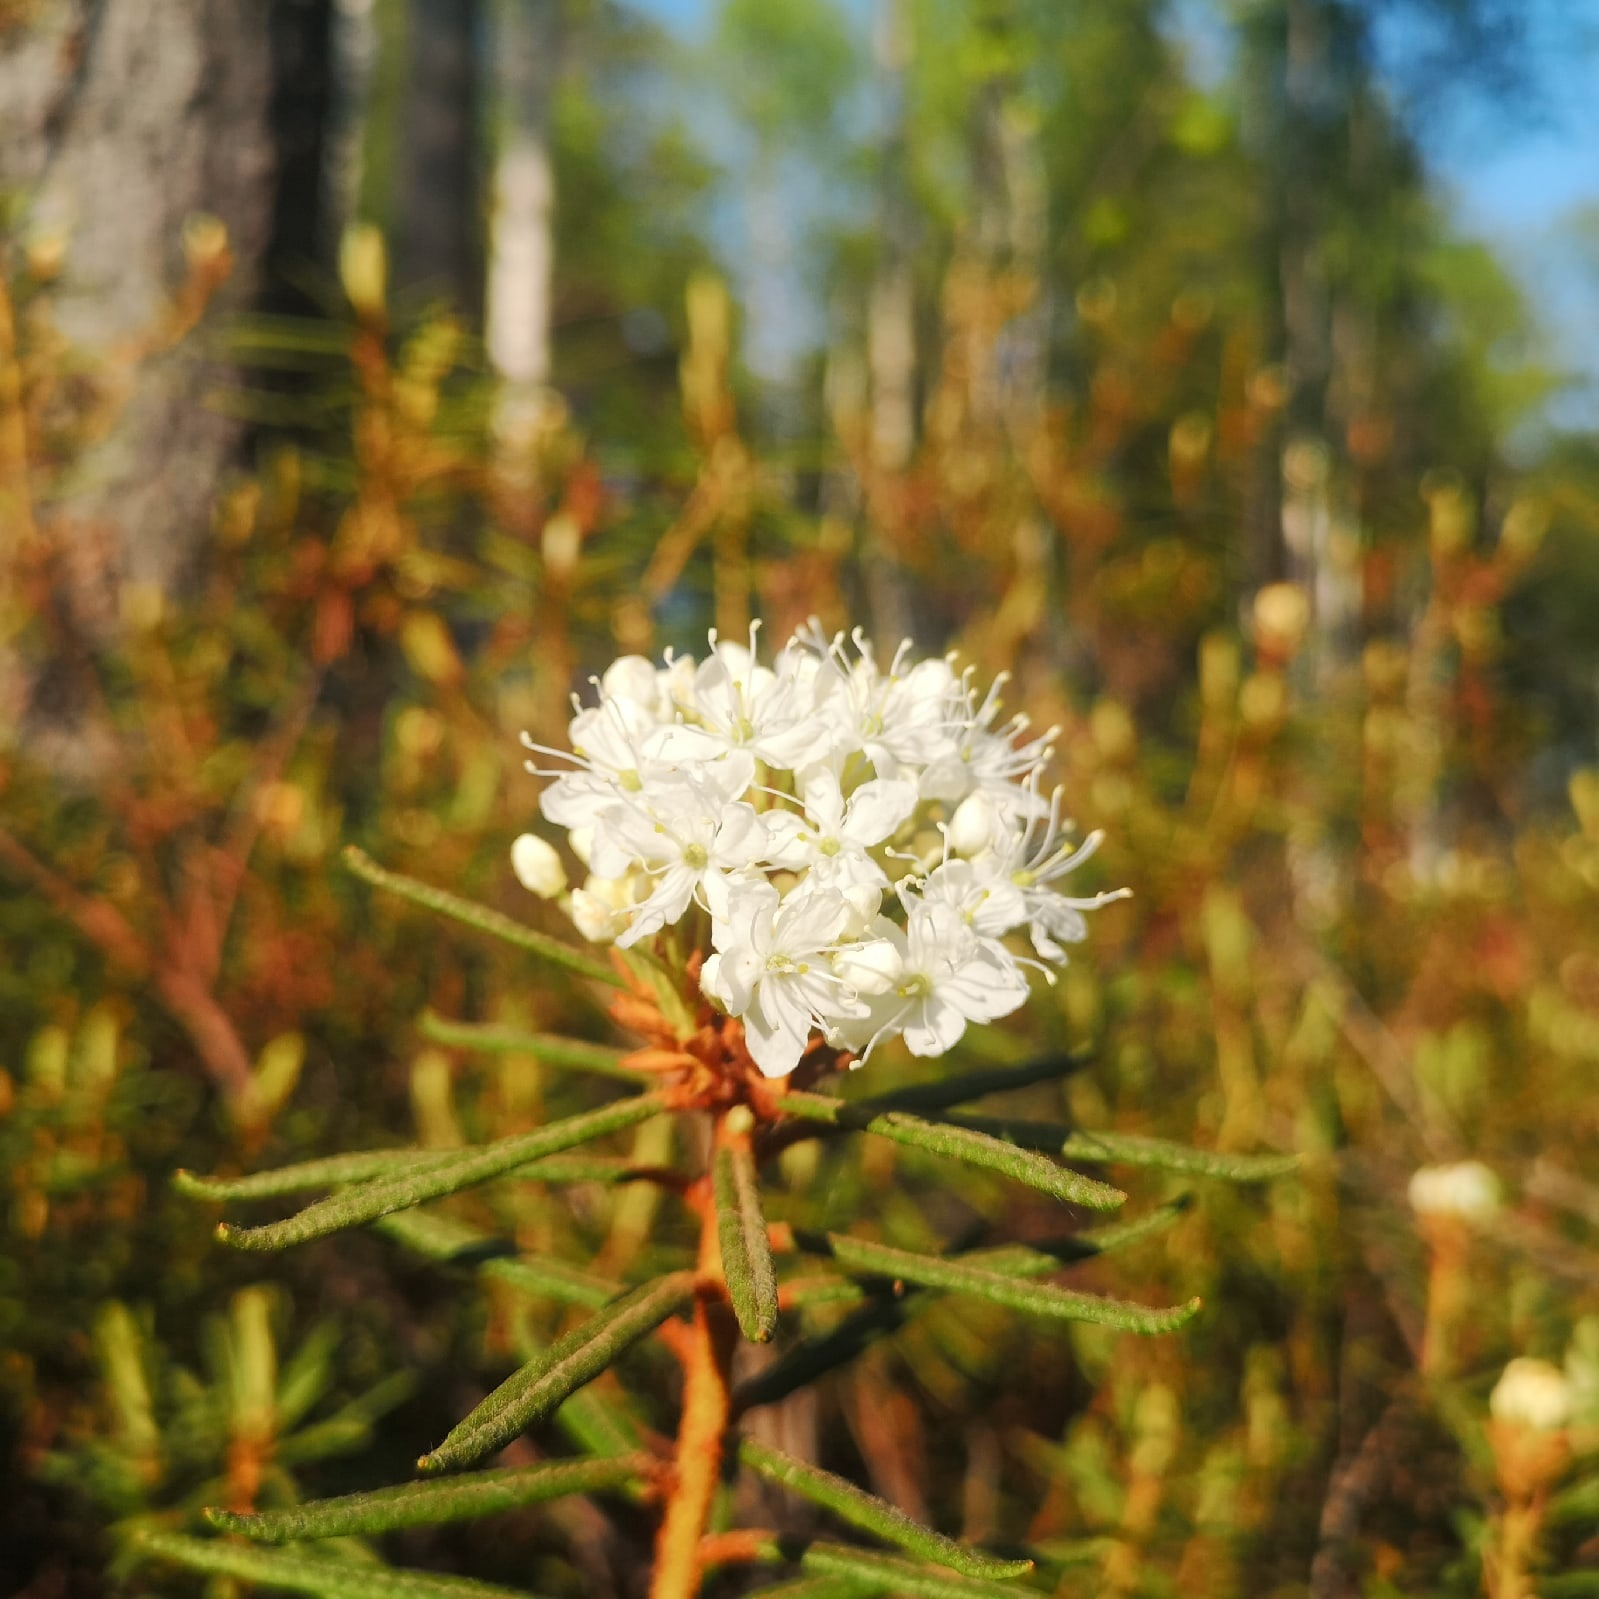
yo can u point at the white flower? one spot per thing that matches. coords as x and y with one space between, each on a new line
785 800
1467 1190
1532 1393
832 838
773 968
608 749
1033 857
685 834
537 866
948 977
739 705
902 719
989 904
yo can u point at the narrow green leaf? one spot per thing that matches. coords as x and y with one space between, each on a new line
746 1250
1579 1502
889 1572
959 1143
329 1171
550 950
1042 1259
427 1504
334 1171
550 1049
822 1588
353 1207
323 1579
443 1238
1133 1149
803 1292
1039 1299
533 1392
873 1515
350 1426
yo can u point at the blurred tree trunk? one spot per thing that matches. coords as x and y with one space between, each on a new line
521 229
124 119
437 208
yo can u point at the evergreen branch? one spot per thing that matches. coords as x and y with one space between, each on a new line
531 1393
451 1172
871 1514
444 1239
492 1038
495 923
427 1504
1039 1299
322 1579
965 1144
746 1250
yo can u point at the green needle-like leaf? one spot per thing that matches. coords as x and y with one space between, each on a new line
960 1143
746 1250
550 1049
874 1515
550 950
540 1386
353 1207
1133 1149
443 1238
888 1572
330 1171
323 1579
821 1588
427 1504
334 1171
1038 1299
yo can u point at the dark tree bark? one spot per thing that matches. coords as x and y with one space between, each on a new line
437 204
122 120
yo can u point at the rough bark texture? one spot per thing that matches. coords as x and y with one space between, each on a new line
122 119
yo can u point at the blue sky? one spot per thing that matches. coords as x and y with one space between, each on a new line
1517 180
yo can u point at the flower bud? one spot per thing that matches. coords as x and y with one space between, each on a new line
1467 1190
871 969
974 825
538 868
1532 1393
599 909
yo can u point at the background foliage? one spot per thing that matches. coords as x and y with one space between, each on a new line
1179 396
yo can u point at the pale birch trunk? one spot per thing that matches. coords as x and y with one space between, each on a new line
522 225
123 120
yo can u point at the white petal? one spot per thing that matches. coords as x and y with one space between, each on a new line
934 1028
876 810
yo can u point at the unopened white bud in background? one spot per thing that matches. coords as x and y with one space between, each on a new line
537 866
1532 1393
1467 1190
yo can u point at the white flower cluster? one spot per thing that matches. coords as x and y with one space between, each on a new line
863 839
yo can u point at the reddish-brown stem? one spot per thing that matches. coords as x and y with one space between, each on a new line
707 1406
